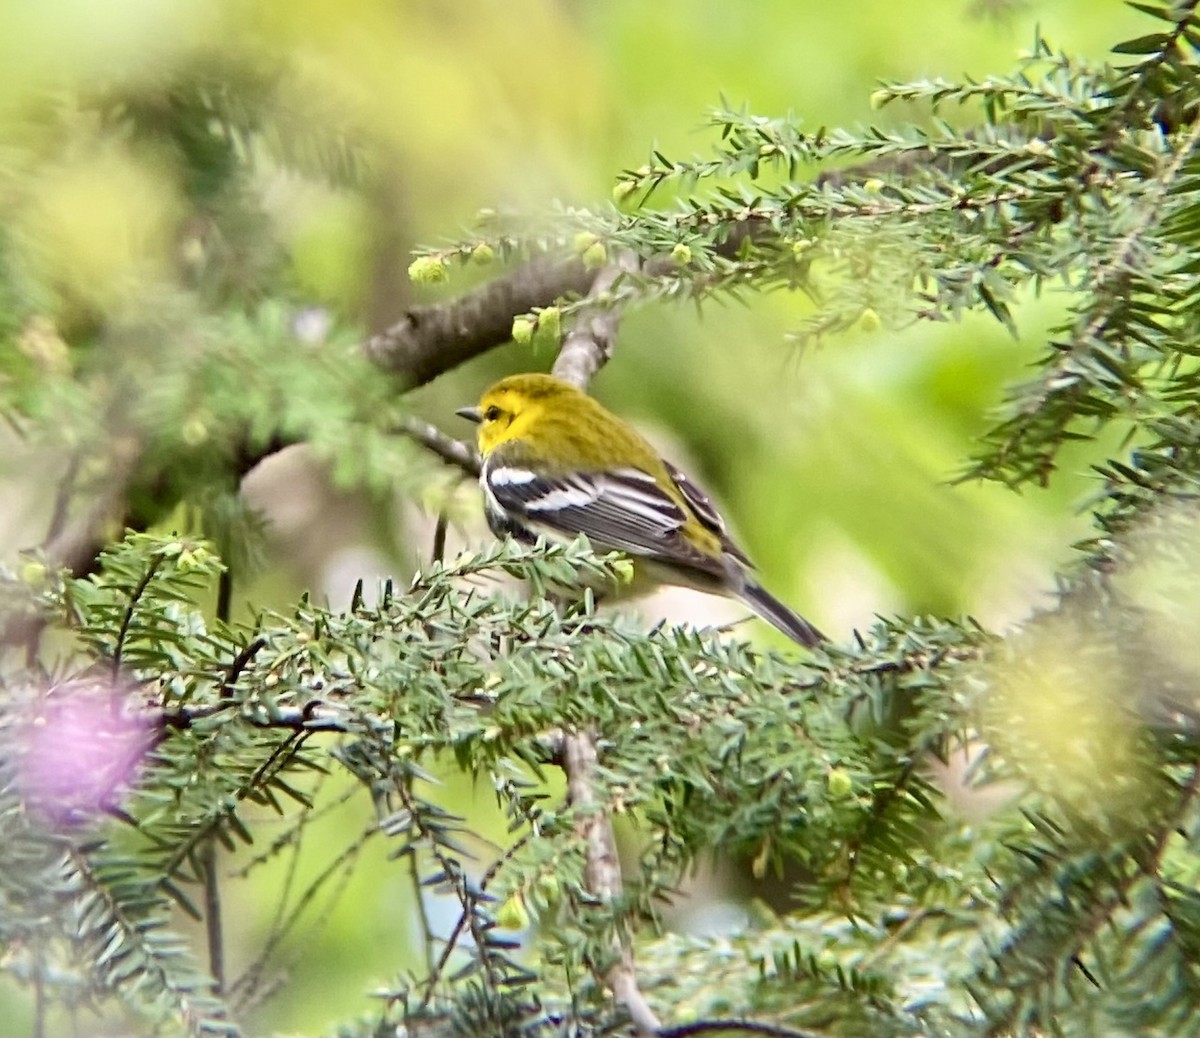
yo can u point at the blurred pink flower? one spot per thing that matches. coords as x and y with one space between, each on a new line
83 747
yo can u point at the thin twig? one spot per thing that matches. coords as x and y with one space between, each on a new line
602 870
212 916
293 742
440 966
311 717
238 664
209 852
247 985
39 990
127 619
427 939
439 538
224 594
292 837
450 450
697 1027
452 875
62 500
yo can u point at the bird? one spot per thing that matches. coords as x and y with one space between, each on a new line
557 463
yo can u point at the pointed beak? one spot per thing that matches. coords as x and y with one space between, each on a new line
471 414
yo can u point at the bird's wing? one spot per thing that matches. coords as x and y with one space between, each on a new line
624 509
707 513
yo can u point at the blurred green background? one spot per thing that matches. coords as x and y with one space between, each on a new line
833 465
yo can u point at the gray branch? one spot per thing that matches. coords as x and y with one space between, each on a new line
450 450
602 869
430 340
590 342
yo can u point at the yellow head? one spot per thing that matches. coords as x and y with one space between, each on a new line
542 420
515 406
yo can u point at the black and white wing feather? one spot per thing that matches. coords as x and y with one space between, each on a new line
623 509
707 513
627 510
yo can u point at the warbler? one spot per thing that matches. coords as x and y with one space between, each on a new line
557 463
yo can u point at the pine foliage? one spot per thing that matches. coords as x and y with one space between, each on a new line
137 731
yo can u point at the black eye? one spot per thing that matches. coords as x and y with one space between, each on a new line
492 413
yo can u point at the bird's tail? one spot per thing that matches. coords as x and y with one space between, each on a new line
780 616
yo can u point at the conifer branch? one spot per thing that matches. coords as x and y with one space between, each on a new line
116 931
1079 177
1065 380
430 340
755 1027
314 716
1169 48
131 605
